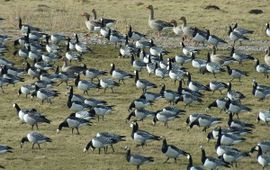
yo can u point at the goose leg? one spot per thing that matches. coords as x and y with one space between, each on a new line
112 148
77 130
166 160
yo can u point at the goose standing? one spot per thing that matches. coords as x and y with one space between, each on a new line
157 25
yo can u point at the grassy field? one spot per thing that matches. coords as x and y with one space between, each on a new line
66 150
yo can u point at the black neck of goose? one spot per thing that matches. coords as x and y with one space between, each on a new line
190 162
130 115
219 138
195 122
77 80
229 69
170 64
258 118
77 38
24 139
257 63
67 48
90 144
161 57
126 40
112 69
180 87
135 127
47 39
19 92
156 66
20 23
136 76
254 87
259 151
164 146
183 45
229 87
189 78
130 31
132 59
213 104
230 30
36 88
232 52
131 106
203 157
128 155
187 121
69 103
71 90
17 107
162 90
230 119
207 34
267 26
94 14
63 124
235 26
208 58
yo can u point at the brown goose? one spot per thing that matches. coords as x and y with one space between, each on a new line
157 25
177 29
187 30
91 24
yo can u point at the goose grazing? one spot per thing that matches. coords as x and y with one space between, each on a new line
157 25
5 149
99 142
190 165
115 138
205 121
263 159
141 136
171 151
73 123
264 116
136 159
35 138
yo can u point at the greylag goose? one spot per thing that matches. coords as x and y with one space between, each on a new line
177 29
187 30
157 25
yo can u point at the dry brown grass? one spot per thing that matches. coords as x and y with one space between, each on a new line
65 152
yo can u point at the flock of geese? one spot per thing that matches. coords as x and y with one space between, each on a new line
40 51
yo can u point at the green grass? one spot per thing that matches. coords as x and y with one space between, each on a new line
66 150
